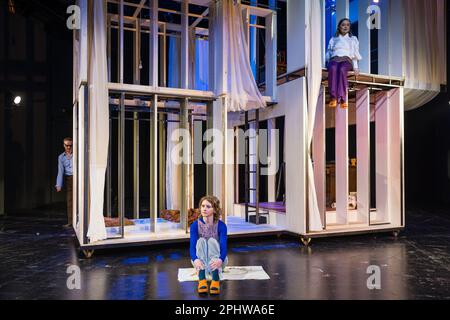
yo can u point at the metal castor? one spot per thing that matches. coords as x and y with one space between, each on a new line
396 233
88 253
306 241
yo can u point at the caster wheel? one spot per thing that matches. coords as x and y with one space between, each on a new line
88 253
306 241
396 234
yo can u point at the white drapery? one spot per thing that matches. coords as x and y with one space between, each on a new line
241 89
98 121
425 51
173 171
314 80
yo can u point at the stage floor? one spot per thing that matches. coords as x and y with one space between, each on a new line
36 252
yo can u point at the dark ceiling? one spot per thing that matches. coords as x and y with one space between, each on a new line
51 12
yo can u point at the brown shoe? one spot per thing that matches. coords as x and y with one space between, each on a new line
333 103
344 105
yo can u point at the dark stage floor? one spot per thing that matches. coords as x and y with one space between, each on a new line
35 254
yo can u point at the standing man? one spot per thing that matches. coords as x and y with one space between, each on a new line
65 176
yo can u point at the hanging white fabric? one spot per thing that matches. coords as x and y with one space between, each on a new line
242 93
425 51
98 122
314 80
173 171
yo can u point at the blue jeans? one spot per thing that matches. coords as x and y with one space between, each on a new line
208 250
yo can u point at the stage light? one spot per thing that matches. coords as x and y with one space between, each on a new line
17 100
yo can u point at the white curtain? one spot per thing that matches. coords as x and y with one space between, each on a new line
242 91
425 51
314 80
173 171
98 122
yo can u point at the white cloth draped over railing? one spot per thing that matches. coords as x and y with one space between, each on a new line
242 92
98 120
314 81
425 51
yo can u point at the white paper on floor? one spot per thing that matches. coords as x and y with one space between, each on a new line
230 273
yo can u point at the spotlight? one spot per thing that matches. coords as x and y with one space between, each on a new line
17 100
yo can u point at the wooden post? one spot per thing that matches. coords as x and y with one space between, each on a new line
363 154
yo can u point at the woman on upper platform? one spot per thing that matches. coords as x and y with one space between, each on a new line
342 56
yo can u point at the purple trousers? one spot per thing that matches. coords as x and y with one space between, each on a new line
337 79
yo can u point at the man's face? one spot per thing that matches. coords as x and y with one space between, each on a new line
68 146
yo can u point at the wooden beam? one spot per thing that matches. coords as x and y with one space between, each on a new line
154 165
363 154
319 155
364 36
121 41
382 158
154 28
199 19
185 45
271 55
342 163
139 8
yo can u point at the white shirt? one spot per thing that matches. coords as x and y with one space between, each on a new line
344 46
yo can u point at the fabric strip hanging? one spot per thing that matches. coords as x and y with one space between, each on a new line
242 92
425 51
314 80
173 170
98 121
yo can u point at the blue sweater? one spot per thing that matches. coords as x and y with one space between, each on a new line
222 230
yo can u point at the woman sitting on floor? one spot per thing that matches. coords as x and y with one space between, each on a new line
208 246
